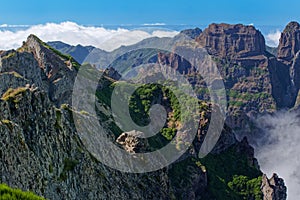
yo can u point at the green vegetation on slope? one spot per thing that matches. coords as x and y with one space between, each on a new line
230 177
7 193
12 93
140 102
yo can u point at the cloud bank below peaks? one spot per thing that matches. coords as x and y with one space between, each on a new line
74 34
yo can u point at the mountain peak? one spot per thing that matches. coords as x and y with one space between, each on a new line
232 41
292 26
43 52
31 42
192 33
289 43
34 37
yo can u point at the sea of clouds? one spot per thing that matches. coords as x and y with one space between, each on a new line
12 36
279 151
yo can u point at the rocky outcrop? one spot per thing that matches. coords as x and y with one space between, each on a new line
232 41
176 62
191 33
58 70
23 66
297 104
132 142
289 55
244 148
112 73
289 43
274 188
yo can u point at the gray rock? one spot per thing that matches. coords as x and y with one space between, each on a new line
274 188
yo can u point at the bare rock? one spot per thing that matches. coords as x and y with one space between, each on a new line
289 43
60 70
232 41
133 142
274 188
191 33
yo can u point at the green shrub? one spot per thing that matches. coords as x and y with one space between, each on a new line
168 133
7 193
225 170
247 189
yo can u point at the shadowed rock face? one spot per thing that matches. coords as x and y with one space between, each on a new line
59 69
295 71
289 54
289 43
232 41
50 70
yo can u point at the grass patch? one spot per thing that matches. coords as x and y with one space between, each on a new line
12 93
8 193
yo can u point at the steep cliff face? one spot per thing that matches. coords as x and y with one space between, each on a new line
42 152
289 55
251 80
289 43
176 62
232 41
56 69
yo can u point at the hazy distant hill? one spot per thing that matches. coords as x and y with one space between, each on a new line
102 58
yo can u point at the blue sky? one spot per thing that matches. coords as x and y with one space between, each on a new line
193 12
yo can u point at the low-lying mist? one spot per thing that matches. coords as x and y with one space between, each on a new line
279 150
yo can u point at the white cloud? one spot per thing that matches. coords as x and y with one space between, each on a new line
272 39
280 152
72 33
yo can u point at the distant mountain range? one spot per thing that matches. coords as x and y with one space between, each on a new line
253 69
102 58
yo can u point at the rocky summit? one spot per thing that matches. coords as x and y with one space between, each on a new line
42 151
289 42
232 41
